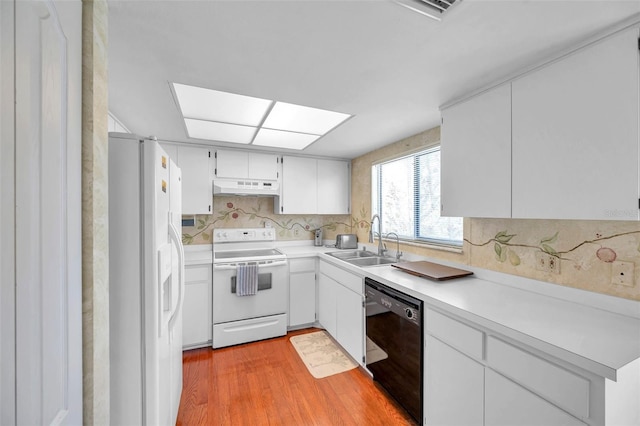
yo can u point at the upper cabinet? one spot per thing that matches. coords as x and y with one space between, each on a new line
246 165
575 135
314 186
476 156
559 142
197 190
299 186
334 178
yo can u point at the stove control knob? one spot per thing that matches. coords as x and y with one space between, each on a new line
408 312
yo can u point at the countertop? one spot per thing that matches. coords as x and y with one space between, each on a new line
596 332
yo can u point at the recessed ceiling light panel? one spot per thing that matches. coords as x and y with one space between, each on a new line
297 118
282 139
222 132
213 105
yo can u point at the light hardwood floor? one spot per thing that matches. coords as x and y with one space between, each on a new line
266 383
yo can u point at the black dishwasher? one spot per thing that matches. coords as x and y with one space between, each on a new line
394 344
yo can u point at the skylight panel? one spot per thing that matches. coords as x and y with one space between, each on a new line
297 118
284 139
222 132
223 107
226 117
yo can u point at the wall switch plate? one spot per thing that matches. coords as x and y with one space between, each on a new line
622 273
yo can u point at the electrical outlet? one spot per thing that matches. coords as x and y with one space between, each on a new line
622 273
554 264
541 261
296 232
547 263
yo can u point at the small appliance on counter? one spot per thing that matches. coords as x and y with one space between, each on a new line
317 239
346 241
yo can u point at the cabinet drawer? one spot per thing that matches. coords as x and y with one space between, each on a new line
462 337
196 273
302 265
554 383
351 281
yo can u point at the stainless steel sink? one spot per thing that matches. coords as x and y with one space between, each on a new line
352 254
371 261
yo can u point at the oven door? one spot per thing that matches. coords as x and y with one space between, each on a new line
270 299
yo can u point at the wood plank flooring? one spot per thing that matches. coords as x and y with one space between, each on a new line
266 383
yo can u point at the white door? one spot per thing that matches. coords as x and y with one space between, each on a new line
334 183
197 190
299 185
48 304
453 386
575 135
476 156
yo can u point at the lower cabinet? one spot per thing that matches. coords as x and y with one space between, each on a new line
197 319
475 377
340 308
454 386
302 291
509 404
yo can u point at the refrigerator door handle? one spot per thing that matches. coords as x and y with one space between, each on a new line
175 236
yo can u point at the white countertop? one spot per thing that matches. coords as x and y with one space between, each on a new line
600 334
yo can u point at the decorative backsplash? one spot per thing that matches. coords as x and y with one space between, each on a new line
257 212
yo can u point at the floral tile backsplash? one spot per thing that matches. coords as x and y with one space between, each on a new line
257 212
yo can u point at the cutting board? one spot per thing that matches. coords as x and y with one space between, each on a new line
431 270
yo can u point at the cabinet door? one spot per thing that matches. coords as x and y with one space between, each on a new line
232 164
263 166
172 152
197 190
327 304
334 182
509 404
575 135
476 156
350 322
453 386
302 298
299 181
197 319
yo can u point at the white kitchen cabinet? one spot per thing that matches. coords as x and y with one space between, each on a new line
327 302
453 386
341 310
299 186
350 322
575 135
476 156
508 404
302 291
197 319
314 186
246 165
334 183
453 371
197 188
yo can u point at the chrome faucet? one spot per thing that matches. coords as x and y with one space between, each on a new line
381 249
398 252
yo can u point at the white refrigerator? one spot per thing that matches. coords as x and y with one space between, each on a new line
146 282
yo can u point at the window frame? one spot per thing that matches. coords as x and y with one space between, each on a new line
377 205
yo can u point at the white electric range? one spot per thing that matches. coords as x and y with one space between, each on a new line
240 319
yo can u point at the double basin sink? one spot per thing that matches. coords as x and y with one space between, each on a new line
362 258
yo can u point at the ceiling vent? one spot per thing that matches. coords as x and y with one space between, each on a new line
434 9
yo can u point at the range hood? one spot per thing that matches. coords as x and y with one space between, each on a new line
265 188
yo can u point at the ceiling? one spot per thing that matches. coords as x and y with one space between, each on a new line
388 66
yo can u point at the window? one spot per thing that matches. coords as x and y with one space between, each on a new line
406 195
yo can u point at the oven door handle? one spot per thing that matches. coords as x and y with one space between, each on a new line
263 264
